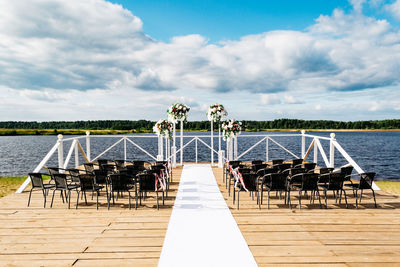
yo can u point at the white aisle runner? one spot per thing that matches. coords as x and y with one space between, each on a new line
202 231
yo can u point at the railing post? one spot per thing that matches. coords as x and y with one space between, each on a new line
160 148
60 151
315 150
76 154
88 146
196 149
332 151
212 143
173 152
124 148
303 144
267 149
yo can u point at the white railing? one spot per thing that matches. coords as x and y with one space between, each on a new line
166 152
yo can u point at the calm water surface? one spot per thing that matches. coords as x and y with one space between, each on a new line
373 151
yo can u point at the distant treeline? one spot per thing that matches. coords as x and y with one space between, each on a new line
146 126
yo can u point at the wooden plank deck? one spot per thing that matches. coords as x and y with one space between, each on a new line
33 236
312 236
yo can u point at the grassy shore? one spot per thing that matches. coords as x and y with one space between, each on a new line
12 132
9 185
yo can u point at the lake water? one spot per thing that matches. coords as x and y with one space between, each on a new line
373 151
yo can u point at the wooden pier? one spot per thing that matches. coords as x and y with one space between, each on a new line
34 236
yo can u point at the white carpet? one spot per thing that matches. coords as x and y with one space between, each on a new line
202 231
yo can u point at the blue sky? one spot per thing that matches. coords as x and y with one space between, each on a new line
264 60
227 19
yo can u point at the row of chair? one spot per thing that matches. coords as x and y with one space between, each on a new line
285 177
115 177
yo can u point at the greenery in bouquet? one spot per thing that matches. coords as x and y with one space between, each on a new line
216 113
231 128
178 112
164 128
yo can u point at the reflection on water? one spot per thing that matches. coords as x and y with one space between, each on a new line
373 151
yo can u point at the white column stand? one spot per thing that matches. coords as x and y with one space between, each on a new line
76 154
60 151
221 155
196 148
181 142
173 149
88 145
212 143
332 152
235 155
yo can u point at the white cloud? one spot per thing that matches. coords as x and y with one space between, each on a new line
95 53
394 9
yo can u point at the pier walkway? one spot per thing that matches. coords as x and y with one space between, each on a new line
34 236
202 230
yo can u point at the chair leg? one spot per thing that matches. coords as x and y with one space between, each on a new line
345 197
163 198
77 200
289 201
84 193
44 196
129 196
268 199
52 199
326 199
238 199
356 199
258 200
373 194
69 197
157 201
300 200
29 198
361 195
97 199
233 199
319 198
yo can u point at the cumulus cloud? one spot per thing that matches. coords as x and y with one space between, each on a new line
394 9
52 50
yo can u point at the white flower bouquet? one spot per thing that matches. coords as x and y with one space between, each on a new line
231 128
164 128
216 113
178 112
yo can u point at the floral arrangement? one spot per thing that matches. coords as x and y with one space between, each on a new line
231 128
163 127
216 113
178 112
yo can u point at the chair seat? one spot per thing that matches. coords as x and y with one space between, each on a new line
47 186
326 187
98 187
72 186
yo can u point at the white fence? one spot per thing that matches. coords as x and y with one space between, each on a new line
166 152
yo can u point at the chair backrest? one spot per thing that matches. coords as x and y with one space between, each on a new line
325 170
102 161
282 167
296 162
234 163
89 167
53 170
335 181
346 170
254 162
250 180
276 181
309 166
309 181
60 180
147 182
86 182
36 179
73 174
100 177
120 182
108 168
277 161
119 163
259 166
366 180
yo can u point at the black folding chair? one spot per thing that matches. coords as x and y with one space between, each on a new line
62 185
366 182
